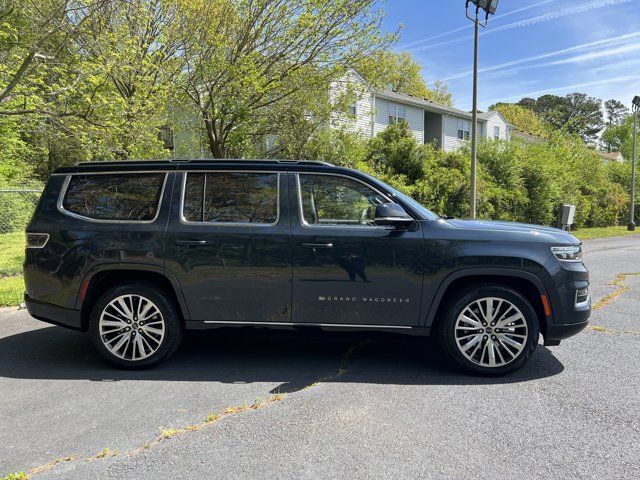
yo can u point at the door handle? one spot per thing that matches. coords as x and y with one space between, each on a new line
318 245
191 242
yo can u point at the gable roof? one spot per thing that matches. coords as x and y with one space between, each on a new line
426 104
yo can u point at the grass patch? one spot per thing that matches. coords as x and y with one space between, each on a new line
11 291
602 232
11 259
11 254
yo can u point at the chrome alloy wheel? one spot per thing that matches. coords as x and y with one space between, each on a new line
491 332
131 327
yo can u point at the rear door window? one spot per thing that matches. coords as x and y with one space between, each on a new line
231 197
114 197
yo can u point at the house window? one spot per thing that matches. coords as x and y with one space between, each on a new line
353 109
397 114
165 135
496 133
464 127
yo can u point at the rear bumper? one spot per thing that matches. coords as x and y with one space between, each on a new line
46 312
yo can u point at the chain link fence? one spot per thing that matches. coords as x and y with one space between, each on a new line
16 207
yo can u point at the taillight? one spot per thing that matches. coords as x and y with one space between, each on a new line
37 240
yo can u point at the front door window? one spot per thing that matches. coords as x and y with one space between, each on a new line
337 201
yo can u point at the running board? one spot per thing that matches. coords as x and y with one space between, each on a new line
206 324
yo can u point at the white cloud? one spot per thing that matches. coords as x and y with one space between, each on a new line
466 27
533 58
562 12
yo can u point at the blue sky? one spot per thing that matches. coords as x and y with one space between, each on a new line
530 47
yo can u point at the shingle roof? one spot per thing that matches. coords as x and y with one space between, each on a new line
426 104
616 156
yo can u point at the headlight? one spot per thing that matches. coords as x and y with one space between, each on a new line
568 254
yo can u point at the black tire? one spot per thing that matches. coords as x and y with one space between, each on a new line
449 339
172 335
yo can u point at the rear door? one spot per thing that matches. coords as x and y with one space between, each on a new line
228 245
347 270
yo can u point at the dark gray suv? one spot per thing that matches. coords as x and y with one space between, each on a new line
136 252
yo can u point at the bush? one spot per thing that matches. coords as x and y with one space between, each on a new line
16 209
517 181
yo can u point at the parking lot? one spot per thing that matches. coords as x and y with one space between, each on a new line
248 404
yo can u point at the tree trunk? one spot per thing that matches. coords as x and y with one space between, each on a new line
215 145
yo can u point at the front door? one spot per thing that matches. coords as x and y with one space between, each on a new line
228 244
346 269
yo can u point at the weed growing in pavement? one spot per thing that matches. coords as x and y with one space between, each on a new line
16 476
166 433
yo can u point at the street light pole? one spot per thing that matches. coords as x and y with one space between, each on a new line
474 119
635 108
489 7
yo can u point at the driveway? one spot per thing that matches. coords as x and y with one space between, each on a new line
316 405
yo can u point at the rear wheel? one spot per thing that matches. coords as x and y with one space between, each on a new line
489 329
135 325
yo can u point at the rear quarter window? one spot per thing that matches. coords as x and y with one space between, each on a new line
115 197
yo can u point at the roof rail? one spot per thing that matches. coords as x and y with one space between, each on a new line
205 160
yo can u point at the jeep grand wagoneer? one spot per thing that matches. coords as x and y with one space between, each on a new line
135 252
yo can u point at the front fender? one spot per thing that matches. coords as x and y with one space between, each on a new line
432 307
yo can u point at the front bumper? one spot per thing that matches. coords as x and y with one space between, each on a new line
46 312
555 333
571 311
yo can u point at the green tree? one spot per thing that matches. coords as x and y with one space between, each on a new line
136 56
399 72
615 111
612 137
395 151
575 113
619 137
37 46
522 118
246 57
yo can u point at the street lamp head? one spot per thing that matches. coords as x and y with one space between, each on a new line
489 6
636 103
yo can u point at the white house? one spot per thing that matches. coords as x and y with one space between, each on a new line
449 128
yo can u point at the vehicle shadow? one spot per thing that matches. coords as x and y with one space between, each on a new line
293 359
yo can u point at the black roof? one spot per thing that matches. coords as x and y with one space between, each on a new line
188 164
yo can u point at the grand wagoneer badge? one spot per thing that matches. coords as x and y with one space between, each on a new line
364 299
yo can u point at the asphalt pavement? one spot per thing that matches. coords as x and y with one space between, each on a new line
262 404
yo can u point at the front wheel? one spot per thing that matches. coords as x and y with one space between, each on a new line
135 325
490 329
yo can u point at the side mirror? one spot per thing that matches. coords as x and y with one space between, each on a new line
392 214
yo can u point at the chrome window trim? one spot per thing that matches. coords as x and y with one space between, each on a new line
115 172
184 221
67 180
305 224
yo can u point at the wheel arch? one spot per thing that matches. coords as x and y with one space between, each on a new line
528 284
102 277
